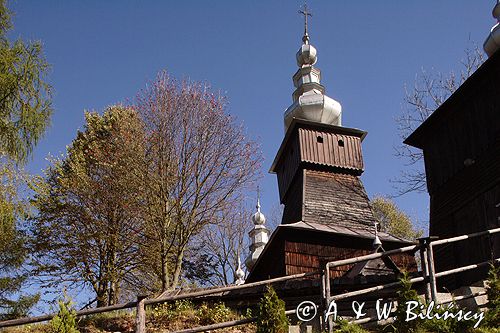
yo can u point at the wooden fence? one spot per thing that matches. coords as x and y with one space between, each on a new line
428 275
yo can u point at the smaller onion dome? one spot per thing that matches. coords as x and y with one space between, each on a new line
258 218
240 274
492 42
306 55
376 242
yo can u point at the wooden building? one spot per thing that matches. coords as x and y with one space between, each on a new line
461 147
327 215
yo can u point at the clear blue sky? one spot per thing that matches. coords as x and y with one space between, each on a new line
103 52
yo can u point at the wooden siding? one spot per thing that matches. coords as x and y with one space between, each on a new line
476 215
338 199
468 184
327 150
301 257
288 166
467 135
304 148
461 146
292 212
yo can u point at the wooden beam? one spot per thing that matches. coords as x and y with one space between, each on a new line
140 315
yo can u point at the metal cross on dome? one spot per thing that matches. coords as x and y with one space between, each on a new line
306 13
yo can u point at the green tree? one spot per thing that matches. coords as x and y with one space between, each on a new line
406 294
90 208
25 109
271 316
65 320
393 220
13 250
25 100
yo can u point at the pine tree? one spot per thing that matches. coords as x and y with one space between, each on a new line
406 294
272 317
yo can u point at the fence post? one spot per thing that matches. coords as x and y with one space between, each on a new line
140 315
322 308
432 270
425 268
328 320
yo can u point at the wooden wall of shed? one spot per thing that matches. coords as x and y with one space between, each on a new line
463 205
472 130
478 214
467 184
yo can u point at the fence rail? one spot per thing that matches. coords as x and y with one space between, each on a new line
429 276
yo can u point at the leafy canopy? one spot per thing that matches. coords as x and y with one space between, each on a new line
393 220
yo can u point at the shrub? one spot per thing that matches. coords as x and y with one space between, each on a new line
271 315
181 310
449 325
345 327
215 313
65 320
406 294
493 292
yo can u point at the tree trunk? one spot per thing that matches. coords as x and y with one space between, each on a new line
164 269
178 268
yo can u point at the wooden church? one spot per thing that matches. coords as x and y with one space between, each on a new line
327 214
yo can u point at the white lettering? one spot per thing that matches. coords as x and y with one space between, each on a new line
386 311
410 305
332 310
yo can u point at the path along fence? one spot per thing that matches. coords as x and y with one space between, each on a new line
428 276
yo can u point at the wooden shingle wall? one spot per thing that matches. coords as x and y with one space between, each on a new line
334 198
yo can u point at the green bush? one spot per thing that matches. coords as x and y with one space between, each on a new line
65 320
450 325
271 315
493 292
405 294
172 311
345 327
214 313
487 330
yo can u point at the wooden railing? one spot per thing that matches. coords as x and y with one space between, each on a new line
429 276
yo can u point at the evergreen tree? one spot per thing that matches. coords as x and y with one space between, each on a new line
25 101
406 294
25 108
272 317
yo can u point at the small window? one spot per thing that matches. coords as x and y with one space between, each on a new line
341 143
319 139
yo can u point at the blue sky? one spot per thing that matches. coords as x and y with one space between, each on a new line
103 52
